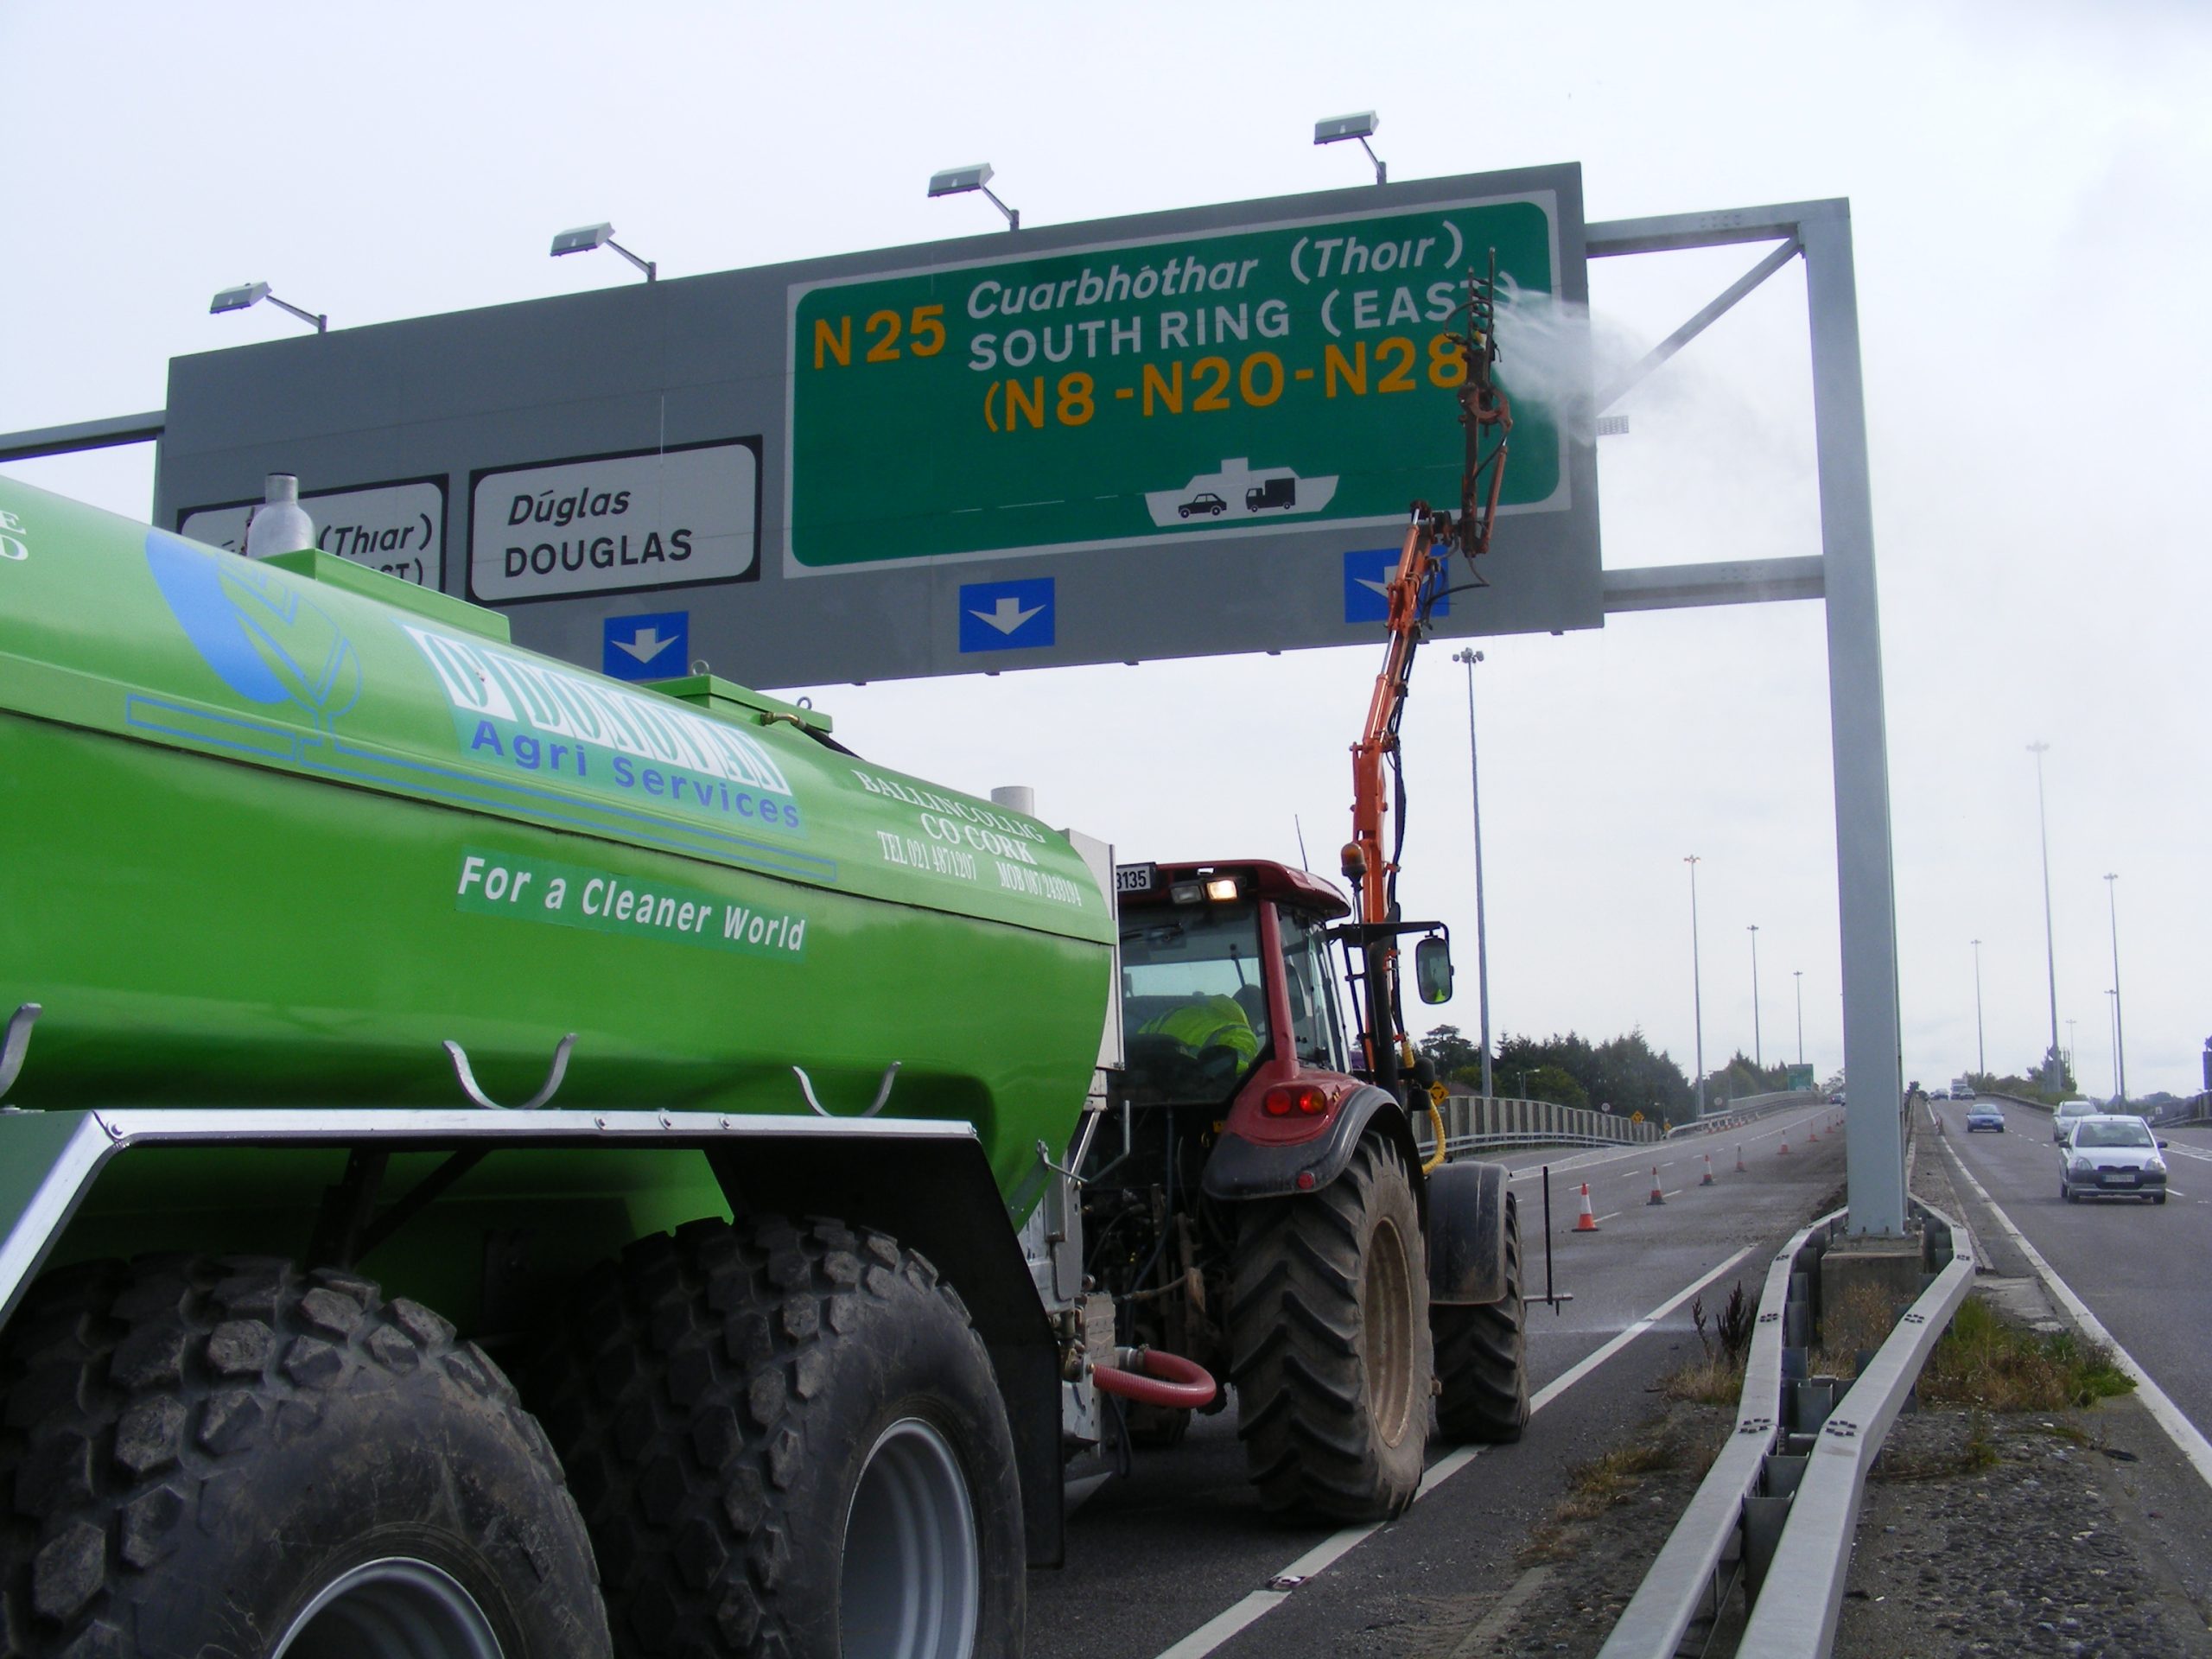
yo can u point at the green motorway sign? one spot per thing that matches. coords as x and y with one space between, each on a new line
1208 385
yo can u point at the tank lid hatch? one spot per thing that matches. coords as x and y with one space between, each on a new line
715 695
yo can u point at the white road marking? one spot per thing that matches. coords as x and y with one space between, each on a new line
1242 1615
2184 1433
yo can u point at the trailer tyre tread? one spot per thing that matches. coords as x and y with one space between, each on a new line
714 1392
1299 1335
1482 1358
191 1448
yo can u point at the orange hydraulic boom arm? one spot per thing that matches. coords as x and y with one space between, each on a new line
1413 588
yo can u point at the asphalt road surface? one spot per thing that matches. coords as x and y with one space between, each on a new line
2140 1268
1177 1559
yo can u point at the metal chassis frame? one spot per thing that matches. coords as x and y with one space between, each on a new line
1843 575
38 1196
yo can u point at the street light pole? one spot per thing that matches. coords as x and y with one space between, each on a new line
2118 1024
1475 793
1798 973
2111 1030
1980 1049
2050 951
1758 1053
1697 986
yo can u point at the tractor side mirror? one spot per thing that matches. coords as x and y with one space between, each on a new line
1433 970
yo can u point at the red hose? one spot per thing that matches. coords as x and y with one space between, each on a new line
1159 1379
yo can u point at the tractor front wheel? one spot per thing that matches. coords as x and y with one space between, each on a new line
1481 1361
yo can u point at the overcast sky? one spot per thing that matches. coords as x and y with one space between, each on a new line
2031 189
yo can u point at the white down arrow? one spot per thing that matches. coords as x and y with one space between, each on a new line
646 645
1008 616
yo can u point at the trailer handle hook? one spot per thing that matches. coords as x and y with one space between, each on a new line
468 1086
16 1043
1045 1157
882 1093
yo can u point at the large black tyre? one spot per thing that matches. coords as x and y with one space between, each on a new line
194 1452
744 1410
1481 1361
1329 1338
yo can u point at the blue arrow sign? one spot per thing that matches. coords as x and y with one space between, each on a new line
1367 580
655 647
1006 616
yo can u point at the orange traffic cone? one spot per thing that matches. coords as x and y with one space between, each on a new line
1707 1181
1784 1153
1813 1133
1657 1196
1585 1222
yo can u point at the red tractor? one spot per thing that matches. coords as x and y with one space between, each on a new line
1255 1198
1256 1202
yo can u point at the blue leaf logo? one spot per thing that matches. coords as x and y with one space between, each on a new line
265 639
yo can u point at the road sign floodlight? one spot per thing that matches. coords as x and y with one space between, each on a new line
236 299
954 181
250 294
585 237
959 180
582 239
1361 125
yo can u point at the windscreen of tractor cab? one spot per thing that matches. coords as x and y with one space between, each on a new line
1194 1011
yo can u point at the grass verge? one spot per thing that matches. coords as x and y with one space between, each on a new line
1987 1361
1606 1482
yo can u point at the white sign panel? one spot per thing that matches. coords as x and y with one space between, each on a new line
615 525
399 528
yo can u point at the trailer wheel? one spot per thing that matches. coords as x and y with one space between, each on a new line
1329 1331
1482 1357
229 1456
788 1440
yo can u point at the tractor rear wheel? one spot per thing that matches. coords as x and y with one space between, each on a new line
1482 1361
1329 1343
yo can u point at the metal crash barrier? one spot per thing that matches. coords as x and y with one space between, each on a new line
1477 1122
1779 1505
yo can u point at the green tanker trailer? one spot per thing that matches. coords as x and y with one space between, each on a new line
390 1010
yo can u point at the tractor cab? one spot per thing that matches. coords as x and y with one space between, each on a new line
1225 979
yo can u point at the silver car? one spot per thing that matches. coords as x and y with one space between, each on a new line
2069 1113
2111 1156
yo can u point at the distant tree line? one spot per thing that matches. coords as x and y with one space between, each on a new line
2036 1084
1625 1073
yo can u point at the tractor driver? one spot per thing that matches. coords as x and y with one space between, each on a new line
1210 1022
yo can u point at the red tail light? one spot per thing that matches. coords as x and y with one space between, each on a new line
1286 1099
